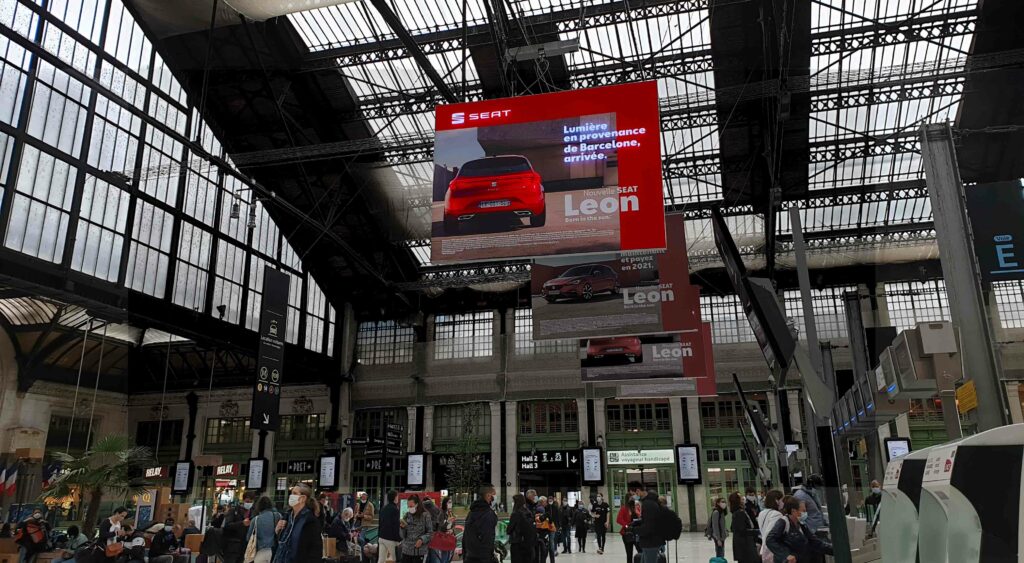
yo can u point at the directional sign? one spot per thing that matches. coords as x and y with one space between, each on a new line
394 434
393 442
266 394
375 450
395 451
355 441
549 460
396 427
374 441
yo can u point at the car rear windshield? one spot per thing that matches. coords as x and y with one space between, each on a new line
494 166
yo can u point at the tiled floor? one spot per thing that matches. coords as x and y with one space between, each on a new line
690 547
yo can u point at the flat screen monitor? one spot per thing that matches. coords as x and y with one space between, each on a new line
896 447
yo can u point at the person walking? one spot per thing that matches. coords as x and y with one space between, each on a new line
717 531
873 500
744 532
565 519
555 513
262 525
790 540
522 535
478 535
599 512
581 522
416 529
389 529
626 518
299 536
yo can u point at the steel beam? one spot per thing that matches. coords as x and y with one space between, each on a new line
393 21
960 270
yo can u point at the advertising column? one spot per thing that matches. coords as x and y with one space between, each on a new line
266 397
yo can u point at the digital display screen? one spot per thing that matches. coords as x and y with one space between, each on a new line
896 447
572 172
688 463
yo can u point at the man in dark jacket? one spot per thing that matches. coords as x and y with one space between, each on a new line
650 539
390 533
478 537
236 526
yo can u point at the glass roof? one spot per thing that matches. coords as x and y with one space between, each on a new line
879 69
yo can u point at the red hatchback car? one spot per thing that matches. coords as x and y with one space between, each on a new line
505 184
619 347
581 282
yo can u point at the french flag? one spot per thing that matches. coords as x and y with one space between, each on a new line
11 483
3 478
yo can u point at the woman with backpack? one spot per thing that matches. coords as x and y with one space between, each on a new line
744 532
717 531
522 532
262 526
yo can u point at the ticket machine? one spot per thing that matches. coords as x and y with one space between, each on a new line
901 492
971 509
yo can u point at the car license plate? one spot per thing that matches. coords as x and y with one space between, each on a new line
495 203
613 350
553 292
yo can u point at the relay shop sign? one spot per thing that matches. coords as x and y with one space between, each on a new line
574 172
266 396
157 472
997 220
616 294
550 460
226 470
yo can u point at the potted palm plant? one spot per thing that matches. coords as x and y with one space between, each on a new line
111 468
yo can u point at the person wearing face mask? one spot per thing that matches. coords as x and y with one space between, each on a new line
236 524
769 516
417 529
164 545
744 532
874 499
326 512
716 530
599 511
299 536
262 523
751 505
807 495
478 535
790 540
31 537
629 514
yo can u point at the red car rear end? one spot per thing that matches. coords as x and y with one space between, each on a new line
498 184
622 347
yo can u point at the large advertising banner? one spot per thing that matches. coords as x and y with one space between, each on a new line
616 294
576 172
652 365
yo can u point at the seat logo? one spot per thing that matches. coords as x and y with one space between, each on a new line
460 117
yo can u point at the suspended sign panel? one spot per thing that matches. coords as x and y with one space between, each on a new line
266 396
575 172
997 220
616 294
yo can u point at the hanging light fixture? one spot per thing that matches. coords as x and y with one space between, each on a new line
252 216
236 209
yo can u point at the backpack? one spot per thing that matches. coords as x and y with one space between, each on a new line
31 536
672 527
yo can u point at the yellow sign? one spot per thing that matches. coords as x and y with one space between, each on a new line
967 397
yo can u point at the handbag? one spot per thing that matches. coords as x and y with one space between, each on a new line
251 546
113 549
443 542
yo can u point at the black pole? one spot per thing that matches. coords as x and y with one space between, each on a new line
262 445
193 409
833 494
333 433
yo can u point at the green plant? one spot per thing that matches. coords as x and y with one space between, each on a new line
111 467
464 473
